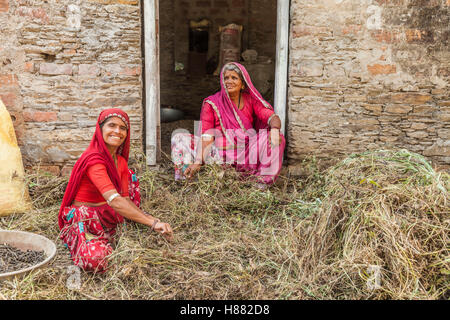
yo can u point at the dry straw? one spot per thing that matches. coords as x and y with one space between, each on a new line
374 226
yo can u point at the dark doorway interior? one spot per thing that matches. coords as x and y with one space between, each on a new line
190 50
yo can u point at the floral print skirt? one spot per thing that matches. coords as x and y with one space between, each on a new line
184 148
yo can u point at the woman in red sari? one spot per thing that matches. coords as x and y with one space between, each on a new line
101 192
243 126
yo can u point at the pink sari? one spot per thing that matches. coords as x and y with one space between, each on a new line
246 146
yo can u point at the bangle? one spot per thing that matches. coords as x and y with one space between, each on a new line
270 118
154 224
111 198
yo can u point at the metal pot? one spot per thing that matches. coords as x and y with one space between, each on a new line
170 114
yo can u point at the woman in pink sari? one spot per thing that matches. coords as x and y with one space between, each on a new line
238 127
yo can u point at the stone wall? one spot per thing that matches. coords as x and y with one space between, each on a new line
61 63
367 74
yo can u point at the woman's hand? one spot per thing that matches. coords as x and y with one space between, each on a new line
126 208
164 229
274 137
191 170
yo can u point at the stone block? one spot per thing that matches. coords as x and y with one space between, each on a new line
423 110
36 14
411 98
388 139
9 98
419 126
55 69
351 29
53 170
130 71
28 66
303 92
88 70
125 2
310 68
444 117
444 134
387 36
66 170
302 31
439 148
8 80
57 154
398 109
444 103
39 116
375 108
364 124
377 69
4 5
417 134
65 116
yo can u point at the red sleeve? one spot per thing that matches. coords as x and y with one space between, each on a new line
261 111
207 117
99 177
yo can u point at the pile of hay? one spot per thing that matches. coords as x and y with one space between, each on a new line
375 226
382 230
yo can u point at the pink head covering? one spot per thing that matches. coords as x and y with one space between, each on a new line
231 117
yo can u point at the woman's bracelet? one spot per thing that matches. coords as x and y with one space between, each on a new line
154 224
111 198
270 118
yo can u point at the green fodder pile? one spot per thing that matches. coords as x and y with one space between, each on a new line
374 226
382 230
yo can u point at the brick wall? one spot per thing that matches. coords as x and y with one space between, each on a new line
61 63
263 27
369 74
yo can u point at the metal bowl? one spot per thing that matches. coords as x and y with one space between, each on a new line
27 241
170 114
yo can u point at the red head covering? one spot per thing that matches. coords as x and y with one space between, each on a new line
97 152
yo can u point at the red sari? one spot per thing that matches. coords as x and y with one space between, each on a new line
87 231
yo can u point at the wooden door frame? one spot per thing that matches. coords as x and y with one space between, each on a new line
152 80
152 73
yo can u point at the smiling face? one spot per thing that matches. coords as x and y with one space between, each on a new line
114 132
233 82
